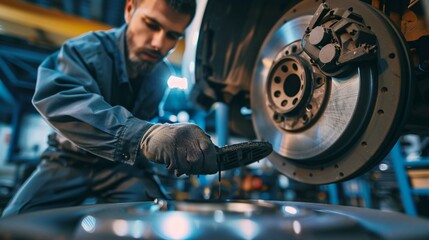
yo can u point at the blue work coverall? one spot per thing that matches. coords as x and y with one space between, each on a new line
84 92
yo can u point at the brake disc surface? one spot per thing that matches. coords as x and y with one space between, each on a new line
331 90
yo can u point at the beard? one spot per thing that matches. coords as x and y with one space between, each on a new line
136 65
139 67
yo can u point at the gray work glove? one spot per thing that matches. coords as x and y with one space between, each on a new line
184 148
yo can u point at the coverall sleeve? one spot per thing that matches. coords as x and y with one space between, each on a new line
68 97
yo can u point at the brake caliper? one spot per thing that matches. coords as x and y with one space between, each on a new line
337 39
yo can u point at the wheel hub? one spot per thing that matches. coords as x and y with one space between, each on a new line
296 89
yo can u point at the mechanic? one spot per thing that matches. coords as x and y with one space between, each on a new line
99 92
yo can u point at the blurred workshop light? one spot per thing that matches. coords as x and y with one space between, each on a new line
283 181
192 67
296 225
245 111
246 229
183 117
172 118
137 229
383 167
176 225
120 227
88 223
219 216
289 210
177 82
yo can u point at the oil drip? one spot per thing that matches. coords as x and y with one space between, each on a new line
219 165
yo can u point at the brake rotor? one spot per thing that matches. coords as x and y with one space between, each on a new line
331 90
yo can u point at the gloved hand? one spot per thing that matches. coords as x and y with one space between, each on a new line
185 148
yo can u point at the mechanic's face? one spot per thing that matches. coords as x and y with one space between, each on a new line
154 29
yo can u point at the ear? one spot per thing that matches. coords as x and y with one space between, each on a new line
129 9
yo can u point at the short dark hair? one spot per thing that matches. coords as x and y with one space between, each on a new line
187 7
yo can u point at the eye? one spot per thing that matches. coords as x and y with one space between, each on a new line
174 36
152 25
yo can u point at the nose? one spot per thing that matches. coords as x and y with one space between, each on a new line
158 40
